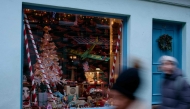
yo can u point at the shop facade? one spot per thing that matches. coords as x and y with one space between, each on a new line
88 39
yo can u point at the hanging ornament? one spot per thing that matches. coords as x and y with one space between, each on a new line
165 42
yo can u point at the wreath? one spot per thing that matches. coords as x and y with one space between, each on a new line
165 42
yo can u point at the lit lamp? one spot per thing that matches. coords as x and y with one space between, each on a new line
98 71
90 76
73 57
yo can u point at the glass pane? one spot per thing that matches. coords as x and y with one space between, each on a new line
76 53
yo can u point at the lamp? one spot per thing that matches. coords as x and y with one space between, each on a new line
98 71
73 57
89 76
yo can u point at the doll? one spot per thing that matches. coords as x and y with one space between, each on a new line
26 95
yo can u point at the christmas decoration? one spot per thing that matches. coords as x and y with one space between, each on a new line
30 67
115 58
49 60
85 66
90 76
43 99
76 45
165 42
40 66
26 95
87 55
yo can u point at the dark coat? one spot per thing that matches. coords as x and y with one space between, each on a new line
169 92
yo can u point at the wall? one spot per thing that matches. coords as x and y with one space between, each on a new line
183 3
139 38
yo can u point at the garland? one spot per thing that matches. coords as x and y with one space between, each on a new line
165 42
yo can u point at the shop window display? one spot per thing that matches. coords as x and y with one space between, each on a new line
69 59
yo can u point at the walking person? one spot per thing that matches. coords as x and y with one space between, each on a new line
174 88
122 92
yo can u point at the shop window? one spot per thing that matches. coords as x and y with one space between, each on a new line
71 55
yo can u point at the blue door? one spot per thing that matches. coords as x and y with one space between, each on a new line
173 30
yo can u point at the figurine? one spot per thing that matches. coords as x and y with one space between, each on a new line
65 99
49 106
26 95
75 98
78 107
57 93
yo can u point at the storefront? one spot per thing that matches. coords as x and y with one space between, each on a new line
76 49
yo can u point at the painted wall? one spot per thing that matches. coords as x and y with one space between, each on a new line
139 38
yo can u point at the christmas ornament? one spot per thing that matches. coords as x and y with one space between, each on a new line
38 59
49 60
165 42
30 67
85 66
26 96
111 81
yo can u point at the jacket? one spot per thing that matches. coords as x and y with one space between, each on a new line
171 97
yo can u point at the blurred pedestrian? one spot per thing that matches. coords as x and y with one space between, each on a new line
174 89
122 92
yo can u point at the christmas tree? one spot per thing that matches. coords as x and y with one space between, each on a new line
49 61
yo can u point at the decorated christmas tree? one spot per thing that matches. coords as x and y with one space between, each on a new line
49 61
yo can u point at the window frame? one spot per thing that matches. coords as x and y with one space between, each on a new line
123 17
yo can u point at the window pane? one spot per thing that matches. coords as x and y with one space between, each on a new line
74 47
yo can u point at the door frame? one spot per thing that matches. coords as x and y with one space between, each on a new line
179 26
